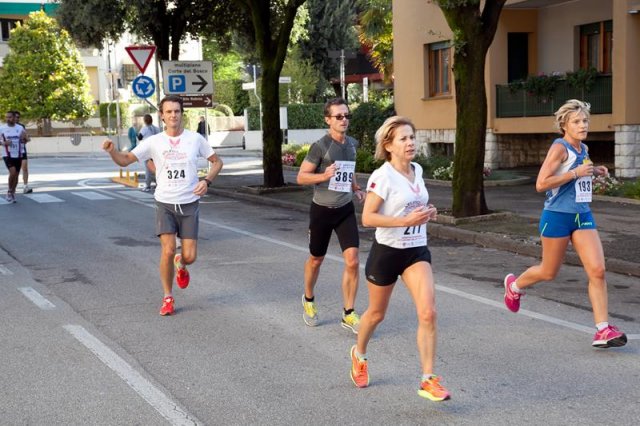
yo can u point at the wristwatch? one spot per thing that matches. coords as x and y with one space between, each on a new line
208 182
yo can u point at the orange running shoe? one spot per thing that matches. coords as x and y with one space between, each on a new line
433 390
182 275
359 370
167 306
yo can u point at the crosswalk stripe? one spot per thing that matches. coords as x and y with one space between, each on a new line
91 195
44 198
139 195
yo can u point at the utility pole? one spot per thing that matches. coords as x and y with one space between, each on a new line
255 92
342 73
342 55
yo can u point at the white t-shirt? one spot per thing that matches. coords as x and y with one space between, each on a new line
176 161
400 198
12 134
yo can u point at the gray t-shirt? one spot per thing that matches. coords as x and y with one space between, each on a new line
149 130
323 153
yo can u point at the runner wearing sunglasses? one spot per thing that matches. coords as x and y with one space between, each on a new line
330 168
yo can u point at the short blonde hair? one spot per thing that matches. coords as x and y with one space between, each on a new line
570 107
386 133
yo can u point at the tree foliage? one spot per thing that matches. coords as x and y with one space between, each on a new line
473 28
43 75
272 24
227 64
330 27
165 23
375 32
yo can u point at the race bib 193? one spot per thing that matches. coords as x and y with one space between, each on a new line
583 189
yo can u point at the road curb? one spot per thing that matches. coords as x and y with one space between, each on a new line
448 232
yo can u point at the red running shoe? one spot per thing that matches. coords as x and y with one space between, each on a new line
609 337
511 298
182 275
167 306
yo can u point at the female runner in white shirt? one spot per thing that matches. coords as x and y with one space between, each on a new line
397 204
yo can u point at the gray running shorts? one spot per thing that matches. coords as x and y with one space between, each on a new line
180 219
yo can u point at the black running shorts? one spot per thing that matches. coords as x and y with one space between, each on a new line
385 263
324 220
13 162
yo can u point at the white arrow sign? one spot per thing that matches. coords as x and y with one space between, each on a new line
187 77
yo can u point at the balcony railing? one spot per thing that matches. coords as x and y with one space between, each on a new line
520 103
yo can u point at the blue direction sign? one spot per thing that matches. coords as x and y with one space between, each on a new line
143 86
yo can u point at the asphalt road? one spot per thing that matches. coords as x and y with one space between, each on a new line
82 341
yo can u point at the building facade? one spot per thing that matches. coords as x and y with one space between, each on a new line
550 39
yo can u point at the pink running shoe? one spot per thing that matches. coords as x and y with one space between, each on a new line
609 337
511 298
182 275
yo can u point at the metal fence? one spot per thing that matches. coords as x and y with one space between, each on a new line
520 103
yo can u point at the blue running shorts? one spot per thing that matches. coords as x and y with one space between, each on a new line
559 225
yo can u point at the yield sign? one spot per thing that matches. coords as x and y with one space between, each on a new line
141 55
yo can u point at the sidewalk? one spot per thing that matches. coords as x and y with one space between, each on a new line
514 229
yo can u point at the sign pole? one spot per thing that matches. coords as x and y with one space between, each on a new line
342 73
160 124
117 99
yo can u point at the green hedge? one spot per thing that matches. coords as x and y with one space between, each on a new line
365 120
299 116
306 116
125 116
230 93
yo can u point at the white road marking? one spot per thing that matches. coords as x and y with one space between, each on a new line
167 408
137 194
5 271
44 198
92 195
39 300
469 296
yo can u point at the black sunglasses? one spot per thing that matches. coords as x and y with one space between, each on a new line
341 117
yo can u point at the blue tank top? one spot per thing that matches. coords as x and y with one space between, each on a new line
563 198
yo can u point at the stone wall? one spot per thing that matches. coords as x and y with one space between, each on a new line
501 151
516 150
627 151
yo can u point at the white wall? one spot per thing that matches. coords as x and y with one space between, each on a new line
253 138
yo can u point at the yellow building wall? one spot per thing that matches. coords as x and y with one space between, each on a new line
92 73
626 67
415 24
418 23
511 21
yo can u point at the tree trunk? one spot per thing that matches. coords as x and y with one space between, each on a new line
471 127
473 30
271 133
47 130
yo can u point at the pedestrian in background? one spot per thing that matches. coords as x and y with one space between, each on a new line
25 162
203 128
397 205
149 169
566 176
133 137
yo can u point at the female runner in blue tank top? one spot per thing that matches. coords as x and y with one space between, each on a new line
566 176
